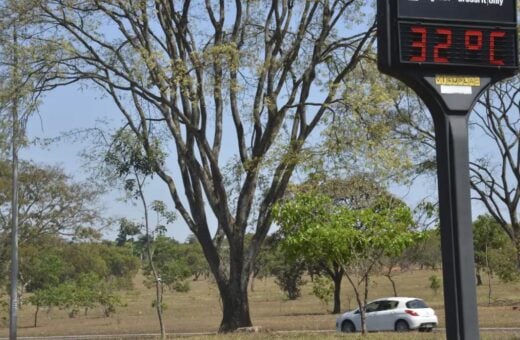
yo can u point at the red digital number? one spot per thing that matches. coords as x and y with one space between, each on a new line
493 37
473 40
442 46
448 48
420 44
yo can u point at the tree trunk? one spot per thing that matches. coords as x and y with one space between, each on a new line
235 304
156 276
158 305
360 303
394 287
36 315
517 248
337 292
235 310
489 288
252 280
233 280
489 272
365 298
479 277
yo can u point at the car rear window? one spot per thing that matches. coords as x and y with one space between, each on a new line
416 304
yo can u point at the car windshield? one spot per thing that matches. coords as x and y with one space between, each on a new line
416 304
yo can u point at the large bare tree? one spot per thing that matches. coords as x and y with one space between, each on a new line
495 161
213 81
495 177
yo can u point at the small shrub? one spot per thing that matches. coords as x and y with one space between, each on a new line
289 278
181 286
4 308
435 283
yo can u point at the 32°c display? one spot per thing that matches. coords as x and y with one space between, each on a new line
442 44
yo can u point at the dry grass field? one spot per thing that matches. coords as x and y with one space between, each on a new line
199 311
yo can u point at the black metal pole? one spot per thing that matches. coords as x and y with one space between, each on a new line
451 130
13 299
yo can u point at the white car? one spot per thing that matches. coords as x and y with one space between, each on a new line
390 314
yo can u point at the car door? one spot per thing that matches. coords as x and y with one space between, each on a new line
371 315
377 316
384 317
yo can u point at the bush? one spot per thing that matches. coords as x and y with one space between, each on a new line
435 283
4 310
289 278
323 289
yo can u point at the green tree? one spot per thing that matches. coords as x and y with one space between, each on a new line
88 291
133 165
122 265
487 235
42 267
257 62
127 229
356 192
426 252
106 261
50 203
4 306
435 283
77 276
492 254
288 272
316 229
192 252
323 289
92 290
170 268
171 263
53 261
40 298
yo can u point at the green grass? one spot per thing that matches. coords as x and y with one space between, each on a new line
371 336
199 311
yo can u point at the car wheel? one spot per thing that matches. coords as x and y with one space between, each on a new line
348 327
426 330
401 326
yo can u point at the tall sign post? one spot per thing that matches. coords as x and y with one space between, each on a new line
449 52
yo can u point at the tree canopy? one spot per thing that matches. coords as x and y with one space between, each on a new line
331 235
50 202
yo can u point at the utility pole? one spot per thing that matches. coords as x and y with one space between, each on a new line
13 306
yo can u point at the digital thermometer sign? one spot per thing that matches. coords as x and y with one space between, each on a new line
450 52
454 36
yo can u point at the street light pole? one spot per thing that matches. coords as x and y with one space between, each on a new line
13 306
